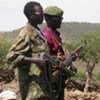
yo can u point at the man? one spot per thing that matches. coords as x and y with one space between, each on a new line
53 17
26 53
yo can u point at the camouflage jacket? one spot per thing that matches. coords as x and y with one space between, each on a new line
29 43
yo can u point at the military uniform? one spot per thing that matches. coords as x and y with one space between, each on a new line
29 43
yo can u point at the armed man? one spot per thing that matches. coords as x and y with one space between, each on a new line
26 54
62 66
39 78
53 16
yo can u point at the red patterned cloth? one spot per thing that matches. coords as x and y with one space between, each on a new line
53 41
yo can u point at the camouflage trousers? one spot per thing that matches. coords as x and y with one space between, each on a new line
32 88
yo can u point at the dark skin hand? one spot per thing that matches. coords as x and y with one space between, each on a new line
40 62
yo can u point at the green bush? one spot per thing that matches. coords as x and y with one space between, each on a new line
92 49
4 47
81 74
98 76
70 45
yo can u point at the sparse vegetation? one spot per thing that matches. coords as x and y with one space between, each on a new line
4 46
91 53
98 76
73 35
69 30
81 74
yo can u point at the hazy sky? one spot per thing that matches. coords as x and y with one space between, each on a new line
12 17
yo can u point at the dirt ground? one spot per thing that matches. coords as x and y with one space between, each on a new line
78 95
70 94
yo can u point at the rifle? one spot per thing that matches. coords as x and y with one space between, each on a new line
66 65
72 57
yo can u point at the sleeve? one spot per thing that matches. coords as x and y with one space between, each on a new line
18 50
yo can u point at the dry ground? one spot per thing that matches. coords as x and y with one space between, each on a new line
69 94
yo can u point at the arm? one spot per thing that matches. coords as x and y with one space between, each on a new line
37 61
18 50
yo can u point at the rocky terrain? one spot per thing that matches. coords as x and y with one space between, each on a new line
73 91
78 95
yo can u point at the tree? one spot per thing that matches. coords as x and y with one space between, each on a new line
91 53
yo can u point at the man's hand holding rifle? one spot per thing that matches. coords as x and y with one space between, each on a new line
67 63
64 65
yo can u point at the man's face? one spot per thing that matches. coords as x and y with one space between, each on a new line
37 17
39 14
55 21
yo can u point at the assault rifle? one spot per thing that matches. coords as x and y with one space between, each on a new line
53 60
67 66
67 63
